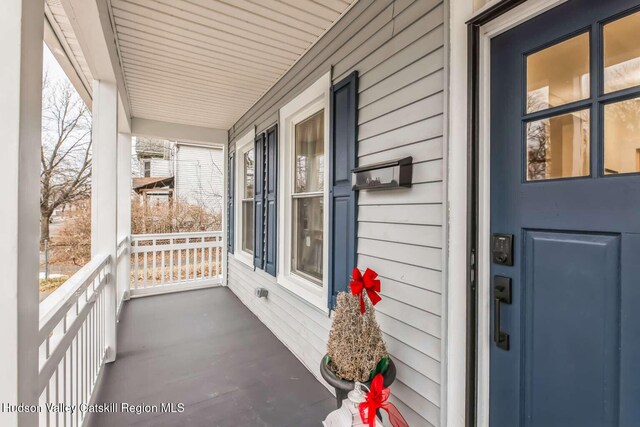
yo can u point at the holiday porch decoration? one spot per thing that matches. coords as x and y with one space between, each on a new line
361 409
355 350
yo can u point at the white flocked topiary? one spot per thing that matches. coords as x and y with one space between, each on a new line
355 341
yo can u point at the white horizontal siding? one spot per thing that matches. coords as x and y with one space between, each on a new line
397 48
161 168
199 175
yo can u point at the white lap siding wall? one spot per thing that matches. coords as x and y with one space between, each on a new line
397 47
199 175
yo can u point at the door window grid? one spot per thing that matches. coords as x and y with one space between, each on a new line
596 105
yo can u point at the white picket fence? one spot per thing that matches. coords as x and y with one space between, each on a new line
172 262
72 342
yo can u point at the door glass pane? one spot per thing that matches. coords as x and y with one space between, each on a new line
247 226
622 53
310 154
559 74
558 147
249 167
622 137
308 237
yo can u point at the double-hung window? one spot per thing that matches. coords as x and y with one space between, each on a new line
248 176
147 168
308 199
303 229
245 186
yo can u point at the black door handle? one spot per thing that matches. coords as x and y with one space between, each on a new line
502 294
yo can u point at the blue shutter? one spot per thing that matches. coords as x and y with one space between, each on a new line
231 207
271 199
258 202
342 199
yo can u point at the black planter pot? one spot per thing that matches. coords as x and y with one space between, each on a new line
343 387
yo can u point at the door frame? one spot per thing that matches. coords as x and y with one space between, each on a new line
471 92
486 32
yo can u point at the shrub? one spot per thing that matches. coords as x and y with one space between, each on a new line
181 216
71 245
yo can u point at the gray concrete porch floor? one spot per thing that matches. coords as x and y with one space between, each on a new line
205 349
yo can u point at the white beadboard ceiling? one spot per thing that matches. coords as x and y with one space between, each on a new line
206 62
68 41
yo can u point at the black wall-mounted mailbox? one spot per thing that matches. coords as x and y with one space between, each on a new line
383 175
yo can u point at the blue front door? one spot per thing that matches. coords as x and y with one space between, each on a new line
565 218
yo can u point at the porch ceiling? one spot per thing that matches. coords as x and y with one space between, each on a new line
66 37
206 62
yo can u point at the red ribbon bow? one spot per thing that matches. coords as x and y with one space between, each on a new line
368 282
377 399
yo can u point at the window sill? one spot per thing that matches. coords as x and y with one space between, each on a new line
245 258
307 291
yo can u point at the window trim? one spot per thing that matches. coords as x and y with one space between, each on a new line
310 101
146 167
243 145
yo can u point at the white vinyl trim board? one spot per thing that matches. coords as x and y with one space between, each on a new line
246 143
309 102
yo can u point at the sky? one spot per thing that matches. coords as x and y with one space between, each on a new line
50 64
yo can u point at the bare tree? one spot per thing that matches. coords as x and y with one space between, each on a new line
65 176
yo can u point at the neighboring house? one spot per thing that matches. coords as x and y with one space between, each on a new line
168 170
199 174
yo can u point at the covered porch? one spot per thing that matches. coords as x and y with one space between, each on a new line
94 340
175 318
204 349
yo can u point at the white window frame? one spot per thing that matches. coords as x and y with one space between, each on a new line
243 145
303 106
146 162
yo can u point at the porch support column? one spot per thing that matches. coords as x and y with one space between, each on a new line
21 34
124 214
104 196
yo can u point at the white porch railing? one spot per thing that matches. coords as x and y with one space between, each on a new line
172 262
73 319
72 342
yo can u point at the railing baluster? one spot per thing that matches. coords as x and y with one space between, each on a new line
186 274
65 386
154 254
210 261
179 263
84 390
57 376
145 269
194 263
78 377
135 257
162 254
171 250
44 415
202 275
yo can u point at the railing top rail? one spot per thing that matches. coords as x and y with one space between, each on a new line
59 298
135 237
